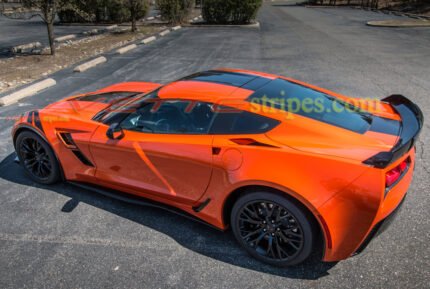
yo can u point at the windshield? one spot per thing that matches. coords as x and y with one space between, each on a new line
123 107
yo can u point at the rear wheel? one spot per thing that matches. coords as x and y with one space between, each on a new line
272 228
37 158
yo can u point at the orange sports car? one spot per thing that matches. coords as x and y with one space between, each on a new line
289 167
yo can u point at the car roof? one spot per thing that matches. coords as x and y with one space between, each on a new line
233 87
216 85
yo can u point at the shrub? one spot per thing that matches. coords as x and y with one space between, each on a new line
75 11
117 11
230 11
95 11
71 16
216 11
175 11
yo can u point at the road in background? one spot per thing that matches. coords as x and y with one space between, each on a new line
61 236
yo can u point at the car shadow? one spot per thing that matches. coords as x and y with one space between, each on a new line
192 235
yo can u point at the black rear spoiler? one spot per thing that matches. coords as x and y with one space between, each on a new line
412 122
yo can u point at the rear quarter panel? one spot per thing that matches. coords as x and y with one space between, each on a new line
312 179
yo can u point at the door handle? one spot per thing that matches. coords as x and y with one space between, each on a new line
216 150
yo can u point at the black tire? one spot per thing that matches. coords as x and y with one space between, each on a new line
37 158
282 239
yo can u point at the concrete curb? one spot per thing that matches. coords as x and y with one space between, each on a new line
176 27
125 49
203 24
91 32
417 16
28 46
393 12
121 30
399 23
65 38
148 40
28 91
87 65
112 27
164 33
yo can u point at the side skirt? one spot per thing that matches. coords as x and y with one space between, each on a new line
140 201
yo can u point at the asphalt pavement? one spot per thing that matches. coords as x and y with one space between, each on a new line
63 237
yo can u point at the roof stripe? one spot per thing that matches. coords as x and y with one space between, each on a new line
385 125
247 81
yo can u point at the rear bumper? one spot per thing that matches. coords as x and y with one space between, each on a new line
357 213
380 227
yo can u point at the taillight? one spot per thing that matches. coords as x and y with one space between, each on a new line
392 176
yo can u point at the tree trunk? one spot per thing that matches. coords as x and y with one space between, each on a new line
50 27
133 23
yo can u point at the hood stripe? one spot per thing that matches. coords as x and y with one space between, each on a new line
37 121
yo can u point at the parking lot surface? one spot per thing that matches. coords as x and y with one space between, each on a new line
63 237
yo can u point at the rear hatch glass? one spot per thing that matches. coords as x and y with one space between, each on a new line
298 99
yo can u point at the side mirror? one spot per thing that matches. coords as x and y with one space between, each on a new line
115 132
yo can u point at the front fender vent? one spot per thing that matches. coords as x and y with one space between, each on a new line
67 139
82 158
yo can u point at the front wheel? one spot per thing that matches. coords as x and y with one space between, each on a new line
37 158
272 229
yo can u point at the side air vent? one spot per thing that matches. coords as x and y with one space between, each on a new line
251 142
67 139
82 158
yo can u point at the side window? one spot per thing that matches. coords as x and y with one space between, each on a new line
172 116
241 122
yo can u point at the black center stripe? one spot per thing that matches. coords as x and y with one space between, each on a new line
247 81
385 125
107 97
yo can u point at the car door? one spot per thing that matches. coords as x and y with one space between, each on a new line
165 151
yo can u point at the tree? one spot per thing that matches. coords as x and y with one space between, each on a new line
138 9
48 10
175 11
230 11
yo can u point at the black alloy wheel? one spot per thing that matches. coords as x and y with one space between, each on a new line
37 158
272 228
